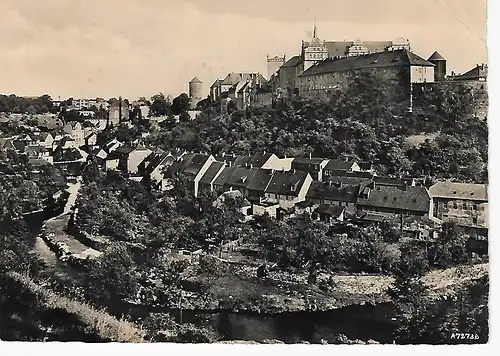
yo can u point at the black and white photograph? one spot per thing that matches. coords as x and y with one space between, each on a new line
244 172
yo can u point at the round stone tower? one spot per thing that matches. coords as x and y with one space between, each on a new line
440 66
195 88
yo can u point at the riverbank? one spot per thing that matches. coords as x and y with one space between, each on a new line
237 288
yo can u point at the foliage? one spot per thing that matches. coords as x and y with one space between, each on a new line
303 243
22 105
22 189
360 121
111 277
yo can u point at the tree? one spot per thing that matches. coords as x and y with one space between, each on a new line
112 276
180 104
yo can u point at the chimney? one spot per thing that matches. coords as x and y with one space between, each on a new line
285 156
251 166
310 155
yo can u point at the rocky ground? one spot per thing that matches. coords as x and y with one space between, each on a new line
238 288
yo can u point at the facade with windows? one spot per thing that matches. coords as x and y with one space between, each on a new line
464 204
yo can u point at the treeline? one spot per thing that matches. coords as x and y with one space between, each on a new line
23 105
360 122
24 189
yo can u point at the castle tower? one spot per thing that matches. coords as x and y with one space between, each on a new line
195 88
440 66
316 51
274 64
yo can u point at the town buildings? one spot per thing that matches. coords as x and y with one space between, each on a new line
463 203
400 68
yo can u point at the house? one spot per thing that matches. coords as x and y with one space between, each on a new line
311 165
75 131
112 145
463 203
112 161
421 227
208 179
130 157
478 73
256 190
193 166
155 165
335 167
8 144
338 194
288 188
99 123
328 213
350 178
91 139
394 201
19 146
260 160
65 143
46 139
38 152
223 177
220 87
240 178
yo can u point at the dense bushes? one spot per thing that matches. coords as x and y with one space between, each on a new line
300 243
422 319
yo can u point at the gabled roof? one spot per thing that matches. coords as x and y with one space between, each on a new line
216 83
195 80
480 71
126 150
374 60
43 136
180 163
241 177
292 62
331 210
234 78
326 191
19 145
465 191
211 172
261 180
286 183
259 160
436 57
157 160
340 165
224 176
409 198
195 164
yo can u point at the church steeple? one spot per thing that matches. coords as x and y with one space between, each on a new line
314 30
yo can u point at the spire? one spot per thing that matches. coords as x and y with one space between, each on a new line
314 30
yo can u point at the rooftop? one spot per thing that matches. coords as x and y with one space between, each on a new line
465 191
409 198
374 60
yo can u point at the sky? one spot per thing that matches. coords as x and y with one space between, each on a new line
131 48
